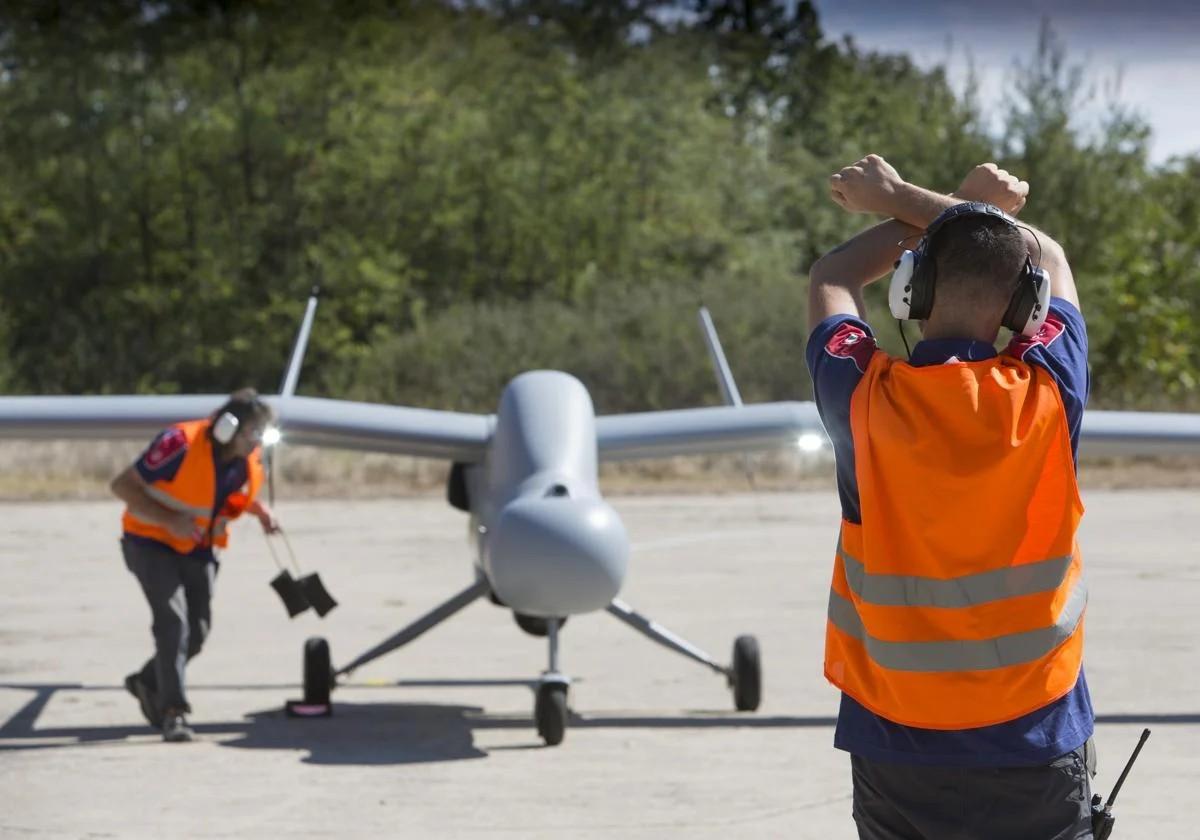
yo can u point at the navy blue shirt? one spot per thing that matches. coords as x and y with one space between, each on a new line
838 352
161 462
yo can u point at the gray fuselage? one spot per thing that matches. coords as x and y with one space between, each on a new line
546 540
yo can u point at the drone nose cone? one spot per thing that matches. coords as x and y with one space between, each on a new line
557 556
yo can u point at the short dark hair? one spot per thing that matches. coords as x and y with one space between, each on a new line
248 407
978 260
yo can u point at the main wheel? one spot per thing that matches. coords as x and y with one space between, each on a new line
747 674
318 672
550 712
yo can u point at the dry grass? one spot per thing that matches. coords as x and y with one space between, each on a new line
76 470
1134 473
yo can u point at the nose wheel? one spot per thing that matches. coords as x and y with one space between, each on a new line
550 705
550 711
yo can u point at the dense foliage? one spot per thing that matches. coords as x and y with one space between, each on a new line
481 188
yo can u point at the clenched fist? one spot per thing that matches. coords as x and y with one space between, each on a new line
867 186
991 184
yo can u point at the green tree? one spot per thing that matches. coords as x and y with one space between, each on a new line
480 187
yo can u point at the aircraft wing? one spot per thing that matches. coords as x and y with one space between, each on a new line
697 431
339 424
457 436
694 431
1139 433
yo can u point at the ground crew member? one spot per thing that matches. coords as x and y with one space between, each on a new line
955 627
180 496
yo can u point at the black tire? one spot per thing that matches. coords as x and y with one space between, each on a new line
747 674
550 713
318 671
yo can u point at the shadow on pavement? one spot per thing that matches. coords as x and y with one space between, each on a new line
357 733
390 733
366 734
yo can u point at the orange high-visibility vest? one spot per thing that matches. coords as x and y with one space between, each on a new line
193 490
959 600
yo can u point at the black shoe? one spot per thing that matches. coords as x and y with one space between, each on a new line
145 697
176 730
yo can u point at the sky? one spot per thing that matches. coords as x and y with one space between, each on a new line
1152 46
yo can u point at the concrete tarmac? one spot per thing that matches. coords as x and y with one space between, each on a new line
436 739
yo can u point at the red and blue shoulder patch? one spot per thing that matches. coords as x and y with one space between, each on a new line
170 444
1051 329
850 341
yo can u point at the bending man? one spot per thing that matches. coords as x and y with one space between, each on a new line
180 496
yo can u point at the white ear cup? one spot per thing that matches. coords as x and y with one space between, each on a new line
224 428
1041 309
900 289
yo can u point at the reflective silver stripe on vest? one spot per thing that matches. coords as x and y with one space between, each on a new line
964 591
168 501
973 655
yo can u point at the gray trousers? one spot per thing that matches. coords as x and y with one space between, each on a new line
906 802
179 591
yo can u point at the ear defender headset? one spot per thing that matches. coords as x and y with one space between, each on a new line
241 406
225 427
910 294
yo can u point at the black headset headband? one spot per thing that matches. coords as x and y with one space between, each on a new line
958 211
1024 301
969 209
244 404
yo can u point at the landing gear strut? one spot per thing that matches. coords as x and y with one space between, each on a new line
550 710
550 706
744 676
320 678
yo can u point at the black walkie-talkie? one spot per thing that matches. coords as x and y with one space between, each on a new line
1102 815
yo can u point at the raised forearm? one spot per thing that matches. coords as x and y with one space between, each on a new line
865 257
872 185
1046 253
837 280
917 206
871 254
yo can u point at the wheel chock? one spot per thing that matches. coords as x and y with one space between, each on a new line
300 709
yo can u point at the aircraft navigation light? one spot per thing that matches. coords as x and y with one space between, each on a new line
810 442
271 436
